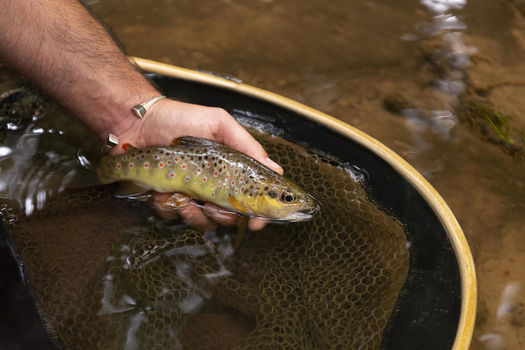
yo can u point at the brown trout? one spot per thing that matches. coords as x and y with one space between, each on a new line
208 171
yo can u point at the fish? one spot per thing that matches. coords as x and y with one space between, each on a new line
211 172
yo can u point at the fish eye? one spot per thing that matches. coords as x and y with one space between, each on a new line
287 197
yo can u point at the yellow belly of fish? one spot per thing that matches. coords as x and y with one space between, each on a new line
200 187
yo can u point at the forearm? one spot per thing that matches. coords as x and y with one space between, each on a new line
61 48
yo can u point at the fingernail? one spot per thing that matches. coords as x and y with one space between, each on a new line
273 165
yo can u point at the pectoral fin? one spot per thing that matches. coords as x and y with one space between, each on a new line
242 228
130 189
236 205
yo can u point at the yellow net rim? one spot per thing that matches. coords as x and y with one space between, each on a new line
436 202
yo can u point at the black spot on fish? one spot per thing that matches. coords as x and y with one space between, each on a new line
272 194
200 158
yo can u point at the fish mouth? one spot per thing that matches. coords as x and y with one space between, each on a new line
301 215
298 216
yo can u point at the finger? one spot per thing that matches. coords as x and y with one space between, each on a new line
220 215
168 205
170 201
233 135
256 224
165 214
164 205
193 216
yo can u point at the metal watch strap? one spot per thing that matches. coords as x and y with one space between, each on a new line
111 142
141 109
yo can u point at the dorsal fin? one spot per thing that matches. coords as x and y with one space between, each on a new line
193 141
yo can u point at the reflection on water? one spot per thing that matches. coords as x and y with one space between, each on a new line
510 314
37 160
441 41
441 6
110 274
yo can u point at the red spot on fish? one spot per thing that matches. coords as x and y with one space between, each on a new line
215 173
204 179
183 166
219 184
156 156
118 166
208 165
172 174
233 182
241 180
146 165
187 178
161 165
131 165
198 170
176 159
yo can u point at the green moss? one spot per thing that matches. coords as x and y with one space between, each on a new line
494 125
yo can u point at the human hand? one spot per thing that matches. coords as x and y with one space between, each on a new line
169 119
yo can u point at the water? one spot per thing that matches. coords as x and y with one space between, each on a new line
148 283
346 58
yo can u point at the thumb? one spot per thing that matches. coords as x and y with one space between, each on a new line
233 135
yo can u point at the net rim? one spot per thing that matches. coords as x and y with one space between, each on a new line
427 191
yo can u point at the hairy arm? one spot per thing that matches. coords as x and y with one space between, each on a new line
61 48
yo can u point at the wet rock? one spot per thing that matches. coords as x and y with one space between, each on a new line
395 103
520 5
518 315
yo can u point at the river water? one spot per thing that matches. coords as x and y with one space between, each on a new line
438 81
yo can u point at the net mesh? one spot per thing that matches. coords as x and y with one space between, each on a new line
109 274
